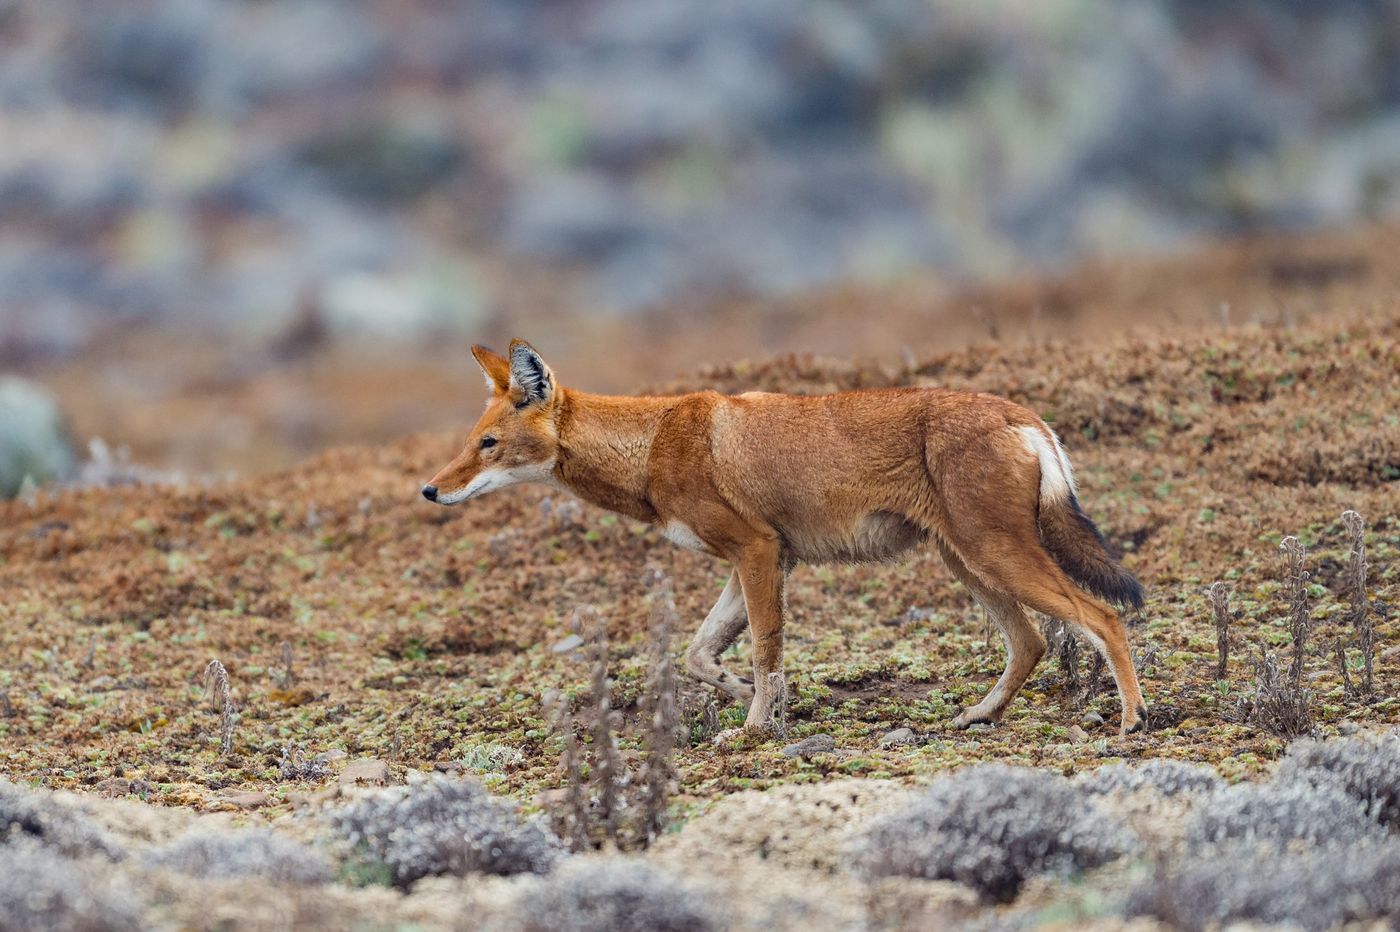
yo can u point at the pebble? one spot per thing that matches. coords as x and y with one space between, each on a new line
365 772
572 642
807 747
1077 735
897 737
246 800
1092 718
114 786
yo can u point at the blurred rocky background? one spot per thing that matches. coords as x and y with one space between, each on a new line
287 172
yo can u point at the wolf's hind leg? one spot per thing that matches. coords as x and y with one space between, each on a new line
722 628
1025 646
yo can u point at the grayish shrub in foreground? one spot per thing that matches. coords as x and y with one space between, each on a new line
252 852
447 826
1279 813
1365 768
1168 777
37 815
991 827
614 895
41 890
1317 888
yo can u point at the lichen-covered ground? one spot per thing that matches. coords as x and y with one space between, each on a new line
354 617
421 635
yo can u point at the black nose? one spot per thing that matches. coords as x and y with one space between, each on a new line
430 492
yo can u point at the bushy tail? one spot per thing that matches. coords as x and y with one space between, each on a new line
1079 547
1066 531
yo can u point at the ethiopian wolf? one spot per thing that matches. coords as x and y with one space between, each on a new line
767 481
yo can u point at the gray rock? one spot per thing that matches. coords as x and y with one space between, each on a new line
34 441
365 772
572 642
809 747
899 736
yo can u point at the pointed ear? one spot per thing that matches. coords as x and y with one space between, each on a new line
494 367
530 378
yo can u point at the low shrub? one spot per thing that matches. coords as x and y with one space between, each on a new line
1278 814
1365 768
1313 889
991 827
615 895
1167 777
37 815
445 826
41 889
252 852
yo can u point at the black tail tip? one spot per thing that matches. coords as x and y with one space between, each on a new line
1125 590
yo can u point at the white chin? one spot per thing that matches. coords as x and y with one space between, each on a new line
499 477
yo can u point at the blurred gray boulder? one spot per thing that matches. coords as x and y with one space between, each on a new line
34 441
410 305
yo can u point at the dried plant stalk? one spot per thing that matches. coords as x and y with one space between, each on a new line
216 685
1219 594
572 764
1276 705
607 763
1340 648
660 770
1069 660
286 676
1300 620
1360 612
777 688
1064 647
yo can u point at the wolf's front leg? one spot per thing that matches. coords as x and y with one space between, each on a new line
721 628
760 573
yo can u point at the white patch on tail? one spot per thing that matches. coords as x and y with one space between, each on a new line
1056 476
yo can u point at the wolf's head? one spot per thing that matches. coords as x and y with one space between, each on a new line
515 439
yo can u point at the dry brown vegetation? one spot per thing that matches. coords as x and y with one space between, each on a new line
352 617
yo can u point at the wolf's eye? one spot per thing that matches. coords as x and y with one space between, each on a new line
488 442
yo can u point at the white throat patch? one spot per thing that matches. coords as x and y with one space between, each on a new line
680 534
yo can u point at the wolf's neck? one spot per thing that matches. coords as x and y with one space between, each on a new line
604 446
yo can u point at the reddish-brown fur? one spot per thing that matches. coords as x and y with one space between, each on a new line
767 481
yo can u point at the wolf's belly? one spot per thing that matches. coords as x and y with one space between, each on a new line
875 538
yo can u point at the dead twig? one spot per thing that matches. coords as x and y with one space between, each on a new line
216 686
569 759
1219 594
660 768
607 763
286 676
1300 622
1360 613
1276 705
